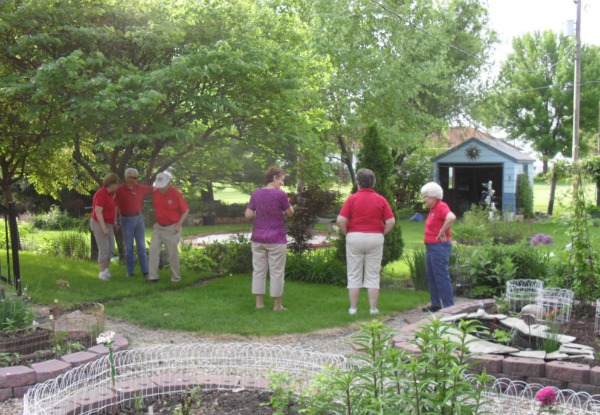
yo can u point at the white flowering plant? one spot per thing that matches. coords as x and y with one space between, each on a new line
107 339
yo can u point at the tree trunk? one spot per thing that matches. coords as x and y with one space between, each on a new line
598 193
347 158
552 192
208 195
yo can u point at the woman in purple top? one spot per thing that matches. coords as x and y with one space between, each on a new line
269 241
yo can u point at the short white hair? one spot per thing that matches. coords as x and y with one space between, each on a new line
432 189
131 172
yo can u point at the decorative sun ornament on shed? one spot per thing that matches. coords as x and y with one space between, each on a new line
472 152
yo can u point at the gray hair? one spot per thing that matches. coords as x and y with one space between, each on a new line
365 178
131 172
432 189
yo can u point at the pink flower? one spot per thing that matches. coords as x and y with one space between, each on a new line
547 396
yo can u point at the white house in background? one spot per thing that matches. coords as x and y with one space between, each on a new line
463 170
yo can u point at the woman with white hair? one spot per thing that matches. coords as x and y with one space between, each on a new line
438 247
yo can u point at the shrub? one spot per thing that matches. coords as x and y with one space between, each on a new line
54 219
487 268
231 257
308 206
195 259
524 196
15 313
319 266
70 244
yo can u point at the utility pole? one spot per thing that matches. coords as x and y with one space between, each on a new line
577 84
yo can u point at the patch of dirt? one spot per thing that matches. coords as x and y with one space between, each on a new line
582 327
244 402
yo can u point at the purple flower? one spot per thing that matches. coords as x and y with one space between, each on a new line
541 239
547 396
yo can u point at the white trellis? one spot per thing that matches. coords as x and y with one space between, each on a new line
555 305
160 370
521 292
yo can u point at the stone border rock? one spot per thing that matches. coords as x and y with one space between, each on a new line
562 375
15 381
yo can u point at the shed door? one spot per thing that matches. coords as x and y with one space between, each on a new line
463 184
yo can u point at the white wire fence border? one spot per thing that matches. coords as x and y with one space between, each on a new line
146 373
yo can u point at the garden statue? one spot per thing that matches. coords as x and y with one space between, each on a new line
488 199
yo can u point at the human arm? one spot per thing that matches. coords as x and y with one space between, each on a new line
181 220
388 225
249 214
289 211
342 222
450 218
100 216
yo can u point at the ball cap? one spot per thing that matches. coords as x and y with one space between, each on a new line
162 180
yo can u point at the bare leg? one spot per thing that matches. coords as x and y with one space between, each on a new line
373 296
353 293
259 301
277 306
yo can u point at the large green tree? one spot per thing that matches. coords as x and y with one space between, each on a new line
408 66
533 96
154 84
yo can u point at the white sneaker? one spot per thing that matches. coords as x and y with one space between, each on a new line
104 275
352 311
374 311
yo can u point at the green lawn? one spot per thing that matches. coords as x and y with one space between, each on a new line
225 305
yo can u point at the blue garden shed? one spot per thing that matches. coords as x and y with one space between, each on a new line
463 170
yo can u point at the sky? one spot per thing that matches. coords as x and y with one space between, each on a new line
512 18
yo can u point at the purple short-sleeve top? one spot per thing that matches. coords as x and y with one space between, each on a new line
269 222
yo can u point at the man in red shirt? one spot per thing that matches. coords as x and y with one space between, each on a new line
171 210
129 198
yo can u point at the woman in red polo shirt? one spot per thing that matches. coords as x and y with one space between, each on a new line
365 218
103 222
438 247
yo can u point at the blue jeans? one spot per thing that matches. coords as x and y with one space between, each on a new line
133 227
437 261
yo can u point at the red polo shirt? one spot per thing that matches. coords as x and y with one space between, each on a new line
168 206
435 221
130 201
366 210
106 201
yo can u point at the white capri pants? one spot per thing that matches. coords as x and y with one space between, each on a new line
268 258
363 259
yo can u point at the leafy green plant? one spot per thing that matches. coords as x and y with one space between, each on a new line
15 313
55 219
502 336
524 196
187 401
195 259
283 388
384 380
9 359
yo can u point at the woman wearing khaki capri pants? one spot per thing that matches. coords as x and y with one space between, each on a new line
365 218
269 241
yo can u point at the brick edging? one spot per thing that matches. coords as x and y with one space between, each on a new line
15 381
560 374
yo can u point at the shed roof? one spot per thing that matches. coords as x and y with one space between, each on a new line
498 146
